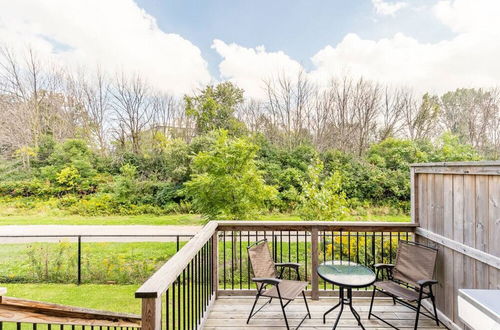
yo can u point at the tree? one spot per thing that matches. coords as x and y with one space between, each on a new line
471 114
322 199
132 104
215 107
72 167
226 183
421 121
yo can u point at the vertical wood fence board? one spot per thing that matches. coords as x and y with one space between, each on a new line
438 227
448 253
422 200
494 229
460 201
469 228
481 227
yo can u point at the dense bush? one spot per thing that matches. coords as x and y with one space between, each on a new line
221 176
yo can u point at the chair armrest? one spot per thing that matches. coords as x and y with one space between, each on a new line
423 283
382 266
287 264
271 281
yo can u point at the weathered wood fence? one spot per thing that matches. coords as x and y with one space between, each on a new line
457 207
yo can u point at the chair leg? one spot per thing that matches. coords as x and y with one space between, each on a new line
434 306
282 307
418 309
307 306
371 304
253 307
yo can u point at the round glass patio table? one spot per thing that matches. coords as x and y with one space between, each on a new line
347 275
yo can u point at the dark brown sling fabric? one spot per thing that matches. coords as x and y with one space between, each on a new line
414 263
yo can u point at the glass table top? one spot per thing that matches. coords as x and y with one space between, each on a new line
346 273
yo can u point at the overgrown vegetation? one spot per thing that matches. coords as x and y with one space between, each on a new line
97 146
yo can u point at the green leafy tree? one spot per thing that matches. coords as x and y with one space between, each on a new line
396 154
226 183
449 148
214 108
71 167
322 199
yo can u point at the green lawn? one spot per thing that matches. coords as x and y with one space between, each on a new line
122 263
174 219
116 298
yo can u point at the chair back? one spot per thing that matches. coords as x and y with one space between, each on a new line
261 260
414 262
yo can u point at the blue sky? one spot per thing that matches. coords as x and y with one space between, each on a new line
298 27
179 46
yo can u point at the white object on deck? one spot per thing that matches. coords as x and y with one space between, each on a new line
479 309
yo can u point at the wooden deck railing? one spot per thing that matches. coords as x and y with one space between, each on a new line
179 294
20 314
214 262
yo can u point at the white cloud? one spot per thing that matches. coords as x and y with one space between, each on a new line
388 8
469 16
115 34
468 59
250 67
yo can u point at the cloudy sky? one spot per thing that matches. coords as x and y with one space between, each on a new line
180 45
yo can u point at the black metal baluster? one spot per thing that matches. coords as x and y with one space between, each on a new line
192 317
232 260
241 264
197 282
357 247
173 305
341 247
324 255
373 249
366 254
248 261
224 254
179 312
289 254
333 252
349 246
297 246
184 315
281 246
305 253
167 310
382 247
390 247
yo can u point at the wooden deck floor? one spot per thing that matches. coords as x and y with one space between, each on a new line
231 313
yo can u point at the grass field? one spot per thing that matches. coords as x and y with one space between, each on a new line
122 263
174 219
116 298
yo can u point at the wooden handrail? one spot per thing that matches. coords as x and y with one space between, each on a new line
153 289
159 282
346 226
31 311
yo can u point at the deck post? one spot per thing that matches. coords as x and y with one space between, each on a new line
151 313
314 264
215 263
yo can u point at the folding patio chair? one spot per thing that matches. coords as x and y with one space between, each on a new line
409 280
269 284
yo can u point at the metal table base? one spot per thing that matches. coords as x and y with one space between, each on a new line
344 301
